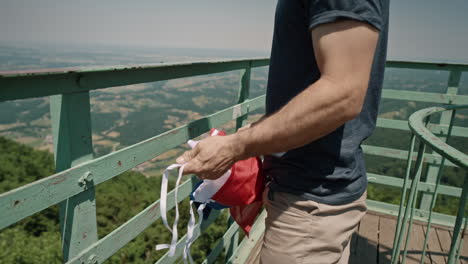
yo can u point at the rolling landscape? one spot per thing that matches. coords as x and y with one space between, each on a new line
117 113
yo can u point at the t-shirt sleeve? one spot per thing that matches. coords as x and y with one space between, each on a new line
325 11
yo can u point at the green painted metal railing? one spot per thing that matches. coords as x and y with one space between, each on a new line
433 160
72 187
418 124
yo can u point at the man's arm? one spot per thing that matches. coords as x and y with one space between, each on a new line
344 52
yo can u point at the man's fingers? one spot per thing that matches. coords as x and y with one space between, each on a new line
195 167
187 156
192 167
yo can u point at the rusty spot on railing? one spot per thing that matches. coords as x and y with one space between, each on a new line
59 179
154 207
18 202
69 70
174 132
119 163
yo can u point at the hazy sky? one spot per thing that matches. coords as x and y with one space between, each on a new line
419 29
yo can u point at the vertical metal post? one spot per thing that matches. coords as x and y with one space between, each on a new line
410 205
460 245
403 195
434 197
244 90
433 169
71 128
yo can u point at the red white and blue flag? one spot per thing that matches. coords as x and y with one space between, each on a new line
239 189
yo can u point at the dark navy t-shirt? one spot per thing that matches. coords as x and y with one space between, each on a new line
331 169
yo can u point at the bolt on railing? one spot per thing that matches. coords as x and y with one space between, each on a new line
418 124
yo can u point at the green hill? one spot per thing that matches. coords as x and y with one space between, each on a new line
36 239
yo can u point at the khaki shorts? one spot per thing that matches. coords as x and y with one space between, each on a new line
303 231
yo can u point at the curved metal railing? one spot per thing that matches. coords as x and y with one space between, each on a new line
418 124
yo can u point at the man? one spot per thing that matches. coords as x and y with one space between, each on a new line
324 87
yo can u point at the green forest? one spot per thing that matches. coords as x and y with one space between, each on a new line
36 239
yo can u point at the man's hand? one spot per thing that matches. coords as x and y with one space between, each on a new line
211 157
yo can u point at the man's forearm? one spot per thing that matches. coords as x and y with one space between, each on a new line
318 110
344 52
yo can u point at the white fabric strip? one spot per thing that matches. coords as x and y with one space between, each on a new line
163 198
163 207
209 188
191 228
191 224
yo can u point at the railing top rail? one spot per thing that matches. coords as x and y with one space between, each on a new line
416 124
441 66
258 62
44 82
39 83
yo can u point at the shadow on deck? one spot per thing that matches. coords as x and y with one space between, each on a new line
372 243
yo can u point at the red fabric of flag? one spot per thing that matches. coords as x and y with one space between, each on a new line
242 192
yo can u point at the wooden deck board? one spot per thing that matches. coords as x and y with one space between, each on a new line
415 246
386 234
444 239
464 250
373 242
433 248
